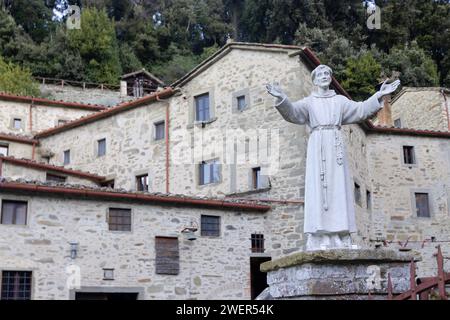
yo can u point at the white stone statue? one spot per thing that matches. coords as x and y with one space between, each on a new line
329 201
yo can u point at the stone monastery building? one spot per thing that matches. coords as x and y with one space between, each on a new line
184 192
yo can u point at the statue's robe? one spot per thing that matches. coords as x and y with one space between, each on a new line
329 190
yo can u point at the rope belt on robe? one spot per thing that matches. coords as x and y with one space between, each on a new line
323 161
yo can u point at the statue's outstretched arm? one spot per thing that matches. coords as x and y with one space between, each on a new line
296 112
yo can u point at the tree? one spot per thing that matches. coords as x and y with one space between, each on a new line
97 46
360 76
415 67
17 80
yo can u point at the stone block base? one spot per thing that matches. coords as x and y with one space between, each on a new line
337 274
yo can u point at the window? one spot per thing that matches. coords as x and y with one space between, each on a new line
368 200
107 184
66 157
357 194
14 212
209 172
119 219
61 122
256 178
142 182
397 123
202 107
108 274
16 285
55 178
4 149
408 155
257 240
101 147
167 256
422 205
17 123
160 130
210 226
241 103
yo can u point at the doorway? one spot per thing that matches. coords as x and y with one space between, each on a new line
258 279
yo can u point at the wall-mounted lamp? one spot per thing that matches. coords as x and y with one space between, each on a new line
73 249
189 232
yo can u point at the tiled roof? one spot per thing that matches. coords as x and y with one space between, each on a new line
62 189
18 138
106 113
44 166
48 102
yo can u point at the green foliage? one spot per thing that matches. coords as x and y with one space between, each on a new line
97 45
16 80
415 67
360 75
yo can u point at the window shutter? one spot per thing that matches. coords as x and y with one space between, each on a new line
167 256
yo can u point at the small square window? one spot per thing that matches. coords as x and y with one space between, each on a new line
241 103
257 240
4 150
14 212
101 147
209 172
119 219
108 274
397 123
357 194
17 123
55 178
160 130
210 226
142 182
66 157
422 205
202 107
408 155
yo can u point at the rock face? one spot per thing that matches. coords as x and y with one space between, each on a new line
337 274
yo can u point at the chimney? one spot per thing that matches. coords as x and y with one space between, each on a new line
384 116
123 88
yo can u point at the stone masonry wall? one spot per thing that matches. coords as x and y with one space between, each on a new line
17 149
43 117
394 185
421 108
210 267
105 97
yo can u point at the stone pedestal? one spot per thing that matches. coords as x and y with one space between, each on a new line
337 274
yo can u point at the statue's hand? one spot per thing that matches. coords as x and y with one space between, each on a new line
388 88
275 90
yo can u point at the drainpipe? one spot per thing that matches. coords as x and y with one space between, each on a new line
1 166
166 135
31 116
446 108
33 153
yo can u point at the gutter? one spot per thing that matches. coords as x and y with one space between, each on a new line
19 139
168 200
47 167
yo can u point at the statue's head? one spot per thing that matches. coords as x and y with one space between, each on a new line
321 76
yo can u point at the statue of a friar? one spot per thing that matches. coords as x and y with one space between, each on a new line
329 200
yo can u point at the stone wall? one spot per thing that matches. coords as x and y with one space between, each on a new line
106 97
43 117
17 149
421 108
394 184
210 267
